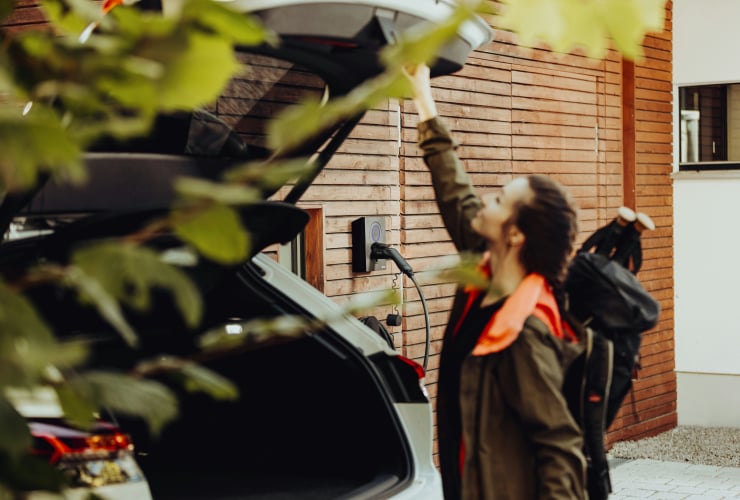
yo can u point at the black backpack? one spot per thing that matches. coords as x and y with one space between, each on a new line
609 309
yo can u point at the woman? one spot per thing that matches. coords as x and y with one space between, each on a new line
504 427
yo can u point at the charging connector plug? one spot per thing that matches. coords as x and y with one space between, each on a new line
383 251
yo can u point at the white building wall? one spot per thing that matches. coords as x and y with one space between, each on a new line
706 232
705 39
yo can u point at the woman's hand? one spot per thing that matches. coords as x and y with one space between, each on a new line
418 75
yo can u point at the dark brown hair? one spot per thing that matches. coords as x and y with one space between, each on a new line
548 221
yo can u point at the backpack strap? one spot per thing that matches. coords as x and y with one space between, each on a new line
587 390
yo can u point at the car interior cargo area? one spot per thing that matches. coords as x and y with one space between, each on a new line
311 421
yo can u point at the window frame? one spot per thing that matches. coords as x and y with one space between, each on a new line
725 129
304 256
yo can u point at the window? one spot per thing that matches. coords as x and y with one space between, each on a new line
292 255
304 255
709 127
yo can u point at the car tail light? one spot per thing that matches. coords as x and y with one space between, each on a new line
88 459
416 366
403 377
96 445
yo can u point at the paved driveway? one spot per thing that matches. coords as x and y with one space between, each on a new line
656 480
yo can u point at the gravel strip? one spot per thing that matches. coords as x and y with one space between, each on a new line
718 446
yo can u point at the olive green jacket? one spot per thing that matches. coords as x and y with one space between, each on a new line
520 439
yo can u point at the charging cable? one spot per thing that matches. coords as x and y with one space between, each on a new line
383 251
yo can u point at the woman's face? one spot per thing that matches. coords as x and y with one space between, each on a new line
498 208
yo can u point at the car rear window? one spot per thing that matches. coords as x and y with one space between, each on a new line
266 86
235 124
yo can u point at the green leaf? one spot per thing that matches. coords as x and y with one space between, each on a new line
201 379
227 194
297 124
137 25
7 86
15 438
92 291
18 469
624 22
423 43
566 25
71 17
30 473
147 399
116 126
135 90
273 174
467 272
128 273
78 411
256 331
18 319
35 143
236 26
217 232
194 377
653 14
27 346
362 302
590 37
245 184
6 8
197 76
259 330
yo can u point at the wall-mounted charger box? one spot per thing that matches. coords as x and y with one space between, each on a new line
365 232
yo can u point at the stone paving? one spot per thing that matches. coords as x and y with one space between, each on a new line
643 478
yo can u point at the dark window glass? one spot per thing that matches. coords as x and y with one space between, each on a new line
235 124
709 126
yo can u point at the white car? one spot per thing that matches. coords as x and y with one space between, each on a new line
334 414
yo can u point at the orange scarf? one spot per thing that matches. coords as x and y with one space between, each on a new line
533 296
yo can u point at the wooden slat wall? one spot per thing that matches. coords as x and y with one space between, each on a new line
26 15
651 407
362 179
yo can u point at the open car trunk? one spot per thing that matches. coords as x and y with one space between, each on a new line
317 413
318 429
314 419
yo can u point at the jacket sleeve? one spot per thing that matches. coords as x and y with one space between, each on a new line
536 363
456 199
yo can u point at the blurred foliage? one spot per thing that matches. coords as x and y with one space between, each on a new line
93 76
216 232
124 394
259 330
127 273
588 25
112 81
27 345
469 272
